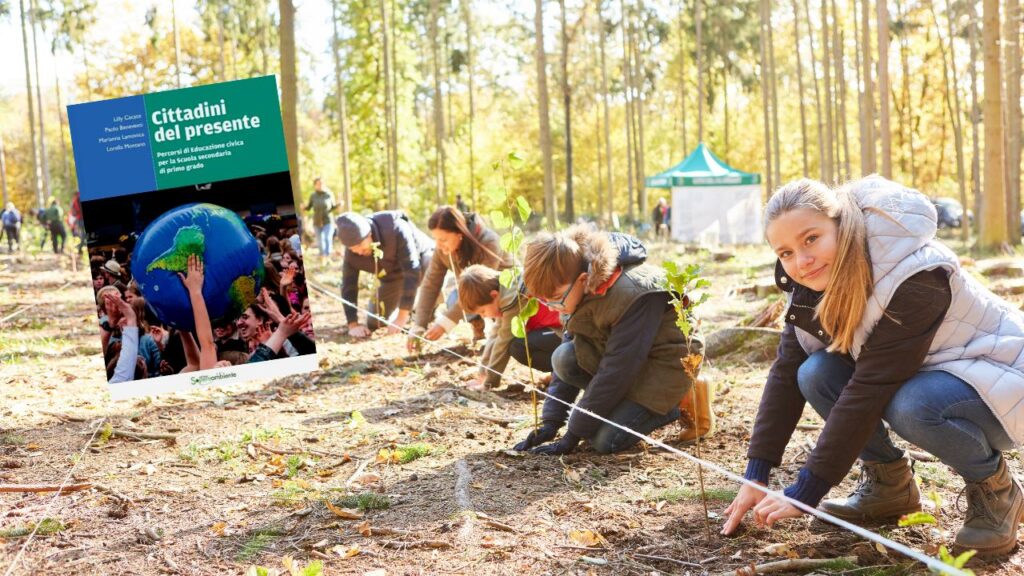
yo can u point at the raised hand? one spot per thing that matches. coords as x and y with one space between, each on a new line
193 278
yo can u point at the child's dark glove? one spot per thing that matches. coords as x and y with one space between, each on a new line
566 444
547 432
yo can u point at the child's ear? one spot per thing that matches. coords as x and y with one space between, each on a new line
494 295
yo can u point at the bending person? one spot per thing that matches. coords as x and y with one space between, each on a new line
883 324
462 240
389 246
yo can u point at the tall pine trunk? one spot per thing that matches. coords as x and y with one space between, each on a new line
60 119
44 157
700 70
177 47
570 204
948 63
766 98
441 194
800 85
339 86
607 114
682 79
467 14
550 212
817 93
867 108
839 54
826 62
289 91
885 134
973 40
3 171
36 177
638 83
627 72
773 85
1013 118
992 233
389 129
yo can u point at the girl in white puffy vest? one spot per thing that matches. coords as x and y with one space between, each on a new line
885 333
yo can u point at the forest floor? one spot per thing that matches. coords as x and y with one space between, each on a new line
308 469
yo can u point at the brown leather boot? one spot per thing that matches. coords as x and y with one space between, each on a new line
995 507
696 416
884 491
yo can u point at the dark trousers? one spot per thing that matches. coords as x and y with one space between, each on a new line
542 345
385 301
57 236
13 239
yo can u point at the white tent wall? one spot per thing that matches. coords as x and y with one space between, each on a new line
714 215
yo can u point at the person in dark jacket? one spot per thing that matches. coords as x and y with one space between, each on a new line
390 247
882 324
623 348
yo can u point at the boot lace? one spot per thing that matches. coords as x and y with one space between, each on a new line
865 481
979 495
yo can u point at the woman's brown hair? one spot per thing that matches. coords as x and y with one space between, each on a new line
453 220
842 306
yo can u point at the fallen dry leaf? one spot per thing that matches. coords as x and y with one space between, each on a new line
364 528
218 528
349 552
587 538
343 512
366 479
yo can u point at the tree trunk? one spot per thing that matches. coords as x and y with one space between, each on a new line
973 40
907 139
867 108
800 85
773 85
389 129
1013 119
3 172
627 70
441 195
467 14
638 82
394 108
766 99
177 48
60 120
682 79
817 93
948 63
992 232
550 213
607 114
342 112
839 54
826 62
289 91
570 204
700 70
44 157
885 135
36 178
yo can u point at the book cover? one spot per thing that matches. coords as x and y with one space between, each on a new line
193 237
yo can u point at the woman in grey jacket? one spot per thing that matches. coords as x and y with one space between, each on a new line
882 324
461 240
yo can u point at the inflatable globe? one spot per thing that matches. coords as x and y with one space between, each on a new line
233 265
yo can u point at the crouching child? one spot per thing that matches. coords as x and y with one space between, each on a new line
623 349
480 292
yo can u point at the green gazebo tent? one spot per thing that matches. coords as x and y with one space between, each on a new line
712 202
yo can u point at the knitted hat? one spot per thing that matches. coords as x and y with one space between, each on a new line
352 228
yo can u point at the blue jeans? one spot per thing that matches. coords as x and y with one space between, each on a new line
934 410
627 413
325 238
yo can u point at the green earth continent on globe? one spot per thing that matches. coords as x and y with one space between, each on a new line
233 264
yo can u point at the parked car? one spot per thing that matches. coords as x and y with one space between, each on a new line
950 212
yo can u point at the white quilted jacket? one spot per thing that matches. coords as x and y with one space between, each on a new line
981 340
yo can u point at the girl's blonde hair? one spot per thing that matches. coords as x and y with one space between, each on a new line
846 294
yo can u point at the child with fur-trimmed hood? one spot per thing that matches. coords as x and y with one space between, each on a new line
623 348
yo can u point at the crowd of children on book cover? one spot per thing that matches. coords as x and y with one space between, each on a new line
276 325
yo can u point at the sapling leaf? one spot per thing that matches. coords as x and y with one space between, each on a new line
515 160
499 220
518 327
916 518
524 209
530 309
507 277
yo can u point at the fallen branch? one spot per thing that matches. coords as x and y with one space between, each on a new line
790 565
499 525
281 451
808 426
111 492
359 470
65 417
664 559
495 419
416 544
44 487
143 435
